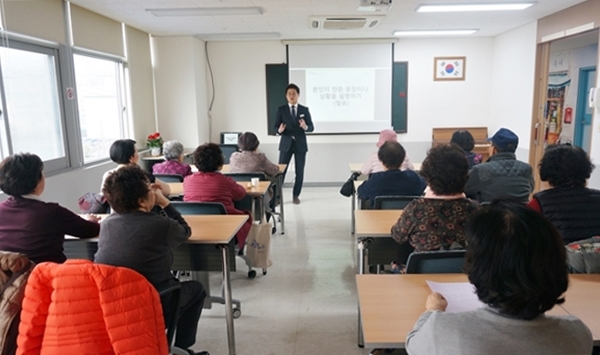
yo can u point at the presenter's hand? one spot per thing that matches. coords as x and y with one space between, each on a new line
303 124
436 302
281 128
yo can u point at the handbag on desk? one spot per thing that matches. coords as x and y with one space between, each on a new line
348 187
258 245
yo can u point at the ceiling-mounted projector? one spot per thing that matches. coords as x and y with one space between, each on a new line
374 5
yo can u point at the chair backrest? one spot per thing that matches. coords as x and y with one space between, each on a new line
170 299
227 150
247 176
392 202
436 262
169 177
188 208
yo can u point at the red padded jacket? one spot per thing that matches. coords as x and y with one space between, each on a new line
83 308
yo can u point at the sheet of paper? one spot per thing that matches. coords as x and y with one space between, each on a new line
461 296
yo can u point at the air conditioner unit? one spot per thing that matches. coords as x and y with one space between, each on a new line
344 22
374 5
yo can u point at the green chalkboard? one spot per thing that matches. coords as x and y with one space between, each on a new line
277 76
399 96
277 80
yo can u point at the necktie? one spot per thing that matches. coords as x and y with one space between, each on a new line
293 111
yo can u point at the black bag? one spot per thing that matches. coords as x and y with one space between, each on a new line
348 187
92 202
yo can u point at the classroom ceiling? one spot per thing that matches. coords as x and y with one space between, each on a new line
292 19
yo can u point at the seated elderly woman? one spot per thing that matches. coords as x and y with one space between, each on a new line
437 221
173 153
392 181
138 239
573 208
124 153
250 160
465 140
374 165
516 261
209 185
29 225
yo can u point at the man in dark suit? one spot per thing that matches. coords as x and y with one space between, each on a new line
291 123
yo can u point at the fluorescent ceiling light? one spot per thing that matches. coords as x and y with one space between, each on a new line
474 7
205 11
433 32
240 35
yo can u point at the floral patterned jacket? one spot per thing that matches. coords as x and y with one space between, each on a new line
434 224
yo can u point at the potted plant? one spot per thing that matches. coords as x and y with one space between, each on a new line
154 142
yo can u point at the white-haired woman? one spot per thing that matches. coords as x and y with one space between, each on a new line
173 153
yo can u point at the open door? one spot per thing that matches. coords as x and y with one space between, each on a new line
562 67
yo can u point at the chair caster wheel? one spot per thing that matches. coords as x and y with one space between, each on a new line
264 271
237 313
251 274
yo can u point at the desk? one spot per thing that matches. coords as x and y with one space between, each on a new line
581 301
216 230
279 193
371 224
255 192
386 322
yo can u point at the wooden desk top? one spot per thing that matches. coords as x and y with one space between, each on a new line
214 229
260 190
581 300
226 168
206 229
386 321
375 223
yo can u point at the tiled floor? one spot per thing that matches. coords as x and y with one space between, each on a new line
306 304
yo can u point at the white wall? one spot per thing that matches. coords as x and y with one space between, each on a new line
180 86
240 103
512 85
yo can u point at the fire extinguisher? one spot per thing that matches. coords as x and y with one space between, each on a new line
568 115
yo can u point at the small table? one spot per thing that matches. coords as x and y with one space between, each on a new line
371 224
386 322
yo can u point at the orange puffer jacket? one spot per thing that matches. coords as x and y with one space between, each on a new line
85 308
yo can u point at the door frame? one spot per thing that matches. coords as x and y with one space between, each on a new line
582 98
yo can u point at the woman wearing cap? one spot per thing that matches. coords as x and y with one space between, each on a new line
173 152
374 165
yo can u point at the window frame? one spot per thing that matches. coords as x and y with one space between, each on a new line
64 64
122 94
52 165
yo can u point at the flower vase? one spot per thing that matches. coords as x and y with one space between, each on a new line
155 151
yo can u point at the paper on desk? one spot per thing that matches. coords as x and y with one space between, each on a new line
461 296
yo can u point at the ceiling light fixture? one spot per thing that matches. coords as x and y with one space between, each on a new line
474 7
205 11
433 33
238 36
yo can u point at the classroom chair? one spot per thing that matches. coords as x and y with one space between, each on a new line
436 262
170 298
392 202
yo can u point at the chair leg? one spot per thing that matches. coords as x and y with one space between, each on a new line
178 351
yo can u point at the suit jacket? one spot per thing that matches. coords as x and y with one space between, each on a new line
293 131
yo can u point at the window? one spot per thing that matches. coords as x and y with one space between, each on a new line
36 117
101 104
32 113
